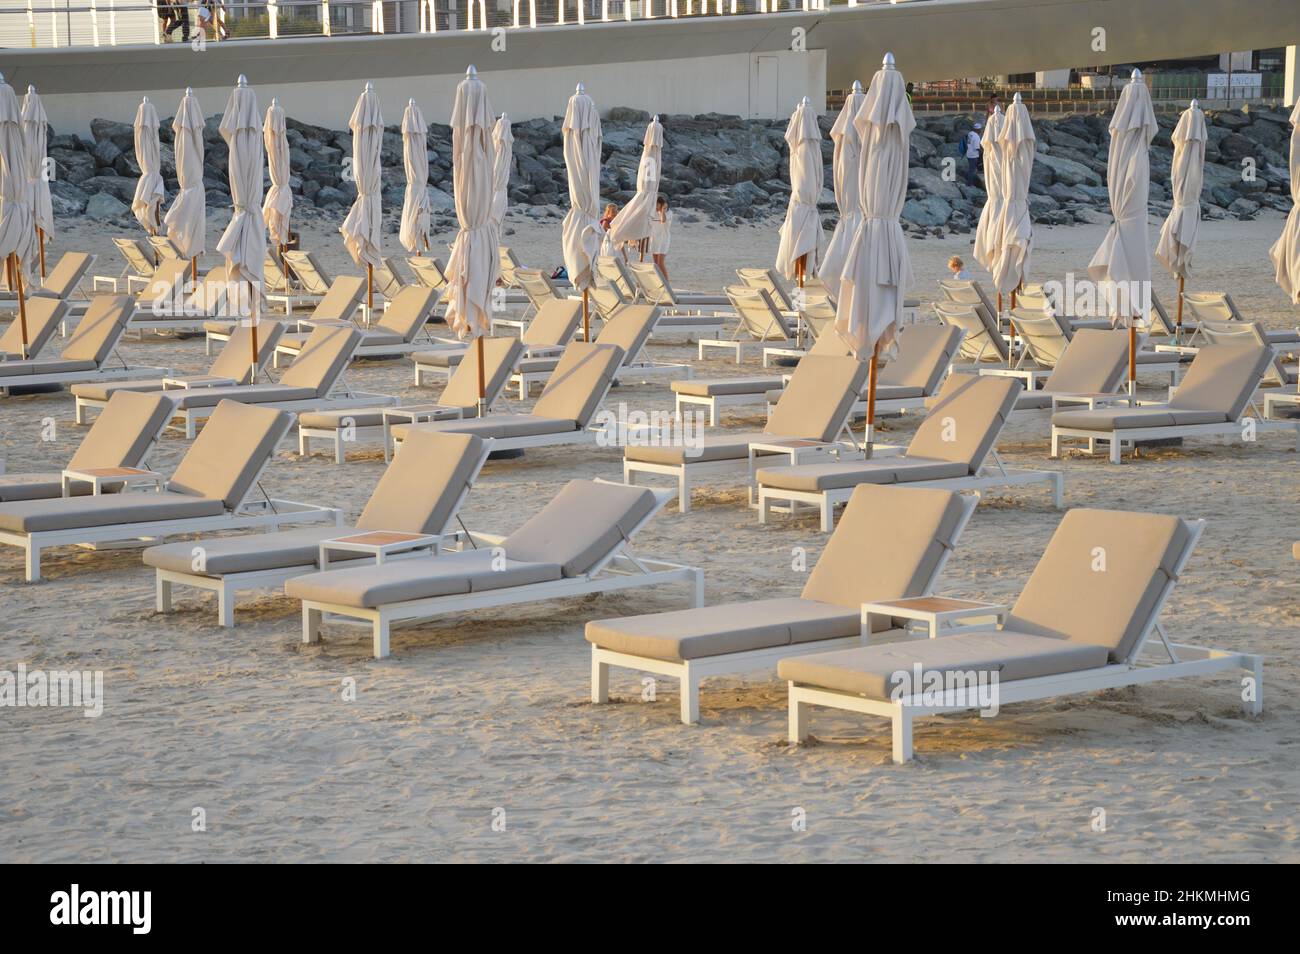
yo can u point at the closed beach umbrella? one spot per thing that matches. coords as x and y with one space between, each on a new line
1123 260
845 165
362 229
1178 234
503 151
987 236
414 230
146 205
1015 228
16 233
35 138
632 224
879 270
279 198
801 232
1285 252
244 241
187 218
582 232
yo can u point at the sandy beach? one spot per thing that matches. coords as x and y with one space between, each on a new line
488 711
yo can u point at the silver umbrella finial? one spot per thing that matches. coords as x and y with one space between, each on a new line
888 61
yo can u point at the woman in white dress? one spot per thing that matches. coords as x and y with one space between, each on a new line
660 235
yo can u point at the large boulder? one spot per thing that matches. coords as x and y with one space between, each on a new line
105 208
929 212
932 183
1067 171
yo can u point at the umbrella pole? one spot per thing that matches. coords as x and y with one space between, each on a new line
1178 325
482 382
1011 327
1132 360
586 317
194 269
17 275
800 266
40 235
871 398
370 290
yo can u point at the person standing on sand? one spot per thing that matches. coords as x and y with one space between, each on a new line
973 146
660 225
606 220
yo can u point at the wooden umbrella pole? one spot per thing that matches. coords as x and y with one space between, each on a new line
1132 360
253 305
871 397
22 300
586 317
370 290
40 235
1178 324
800 267
194 269
482 381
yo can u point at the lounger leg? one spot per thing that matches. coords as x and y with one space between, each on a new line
903 736
1256 706
690 696
162 594
828 514
599 678
310 624
798 726
713 413
697 587
683 492
80 412
1058 491
381 638
33 562
1056 444
1116 447
190 427
338 447
303 443
207 344
226 607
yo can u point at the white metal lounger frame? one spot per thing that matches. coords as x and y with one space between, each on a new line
619 569
1116 438
690 672
265 513
1185 661
137 271
762 333
715 401
100 373
227 585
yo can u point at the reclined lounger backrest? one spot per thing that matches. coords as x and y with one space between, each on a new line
887 545
537 286
229 453
140 256
579 382
387 282
500 355
124 430
554 324
236 358
324 355
652 283
1244 332
766 279
100 329
612 272
1222 378
817 401
1102 579
421 488
43 318
759 317
510 264
924 353
215 295
967 292
1092 364
1210 306
1044 335
981 339
64 277
312 278
963 422
408 311
273 275
581 526
341 300
429 272
166 291
630 329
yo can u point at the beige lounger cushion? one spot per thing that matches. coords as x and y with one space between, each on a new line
71 513
924 353
64 277
870 671
726 628
123 432
1222 379
1093 363
581 525
704 387
251 552
249 394
370 338
690 321
554 324
496 426
406 314
450 574
230 452
1118 419
1066 598
43 317
38 486
327 352
837 475
499 358
441 358
538 365
629 329
818 398
421 487
964 421
722 445
579 382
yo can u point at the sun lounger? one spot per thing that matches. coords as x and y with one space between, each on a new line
547 334
44 315
1219 306
891 544
1212 400
140 258
697 313
459 400
1278 373
1034 300
313 281
209 490
951 450
538 289
982 344
562 415
1088 373
122 437
1074 629
578 544
768 280
510 266
87 352
233 367
393 334
413 506
761 323
63 282
338 304
815 316
810 420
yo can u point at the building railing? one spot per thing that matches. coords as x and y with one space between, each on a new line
61 23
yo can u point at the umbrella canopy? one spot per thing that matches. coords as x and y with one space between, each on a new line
16 233
475 264
582 231
244 241
362 229
1178 234
801 232
503 150
632 224
279 198
414 230
878 270
1285 252
1123 256
186 220
1015 226
847 159
147 202
35 137
987 236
